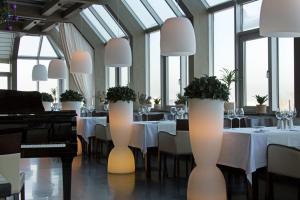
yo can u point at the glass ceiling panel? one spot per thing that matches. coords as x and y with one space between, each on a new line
215 2
92 20
47 49
251 14
162 9
141 13
178 7
29 46
109 20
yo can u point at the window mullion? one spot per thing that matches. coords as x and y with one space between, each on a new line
40 47
152 11
102 22
174 8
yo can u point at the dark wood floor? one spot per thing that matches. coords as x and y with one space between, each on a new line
91 182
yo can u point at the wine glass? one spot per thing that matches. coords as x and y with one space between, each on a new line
180 112
239 115
173 111
140 113
106 107
230 116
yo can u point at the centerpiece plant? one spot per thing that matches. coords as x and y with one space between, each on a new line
261 108
47 100
71 100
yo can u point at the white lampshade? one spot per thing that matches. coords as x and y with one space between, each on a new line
81 63
39 73
177 37
280 18
57 69
118 53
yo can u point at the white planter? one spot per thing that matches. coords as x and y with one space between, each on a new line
157 106
71 105
206 118
47 105
261 109
121 160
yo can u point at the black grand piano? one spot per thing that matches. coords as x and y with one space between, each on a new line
45 134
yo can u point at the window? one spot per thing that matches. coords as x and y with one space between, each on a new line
124 76
96 25
223 44
154 65
4 67
162 9
256 68
251 13
111 77
211 3
286 72
141 14
174 79
27 59
3 82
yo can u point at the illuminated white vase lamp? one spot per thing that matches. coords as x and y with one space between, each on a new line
121 159
206 118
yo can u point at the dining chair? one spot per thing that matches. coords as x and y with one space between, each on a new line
10 152
103 136
153 117
282 162
177 145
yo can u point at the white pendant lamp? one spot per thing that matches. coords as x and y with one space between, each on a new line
118 53
81 63
177 37
39 73
280 18
57 69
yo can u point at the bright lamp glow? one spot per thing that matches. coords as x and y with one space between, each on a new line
206 181
118 53
81 63
57 69
39 73
177 37
280 18
121 160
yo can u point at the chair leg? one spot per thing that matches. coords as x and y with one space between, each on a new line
269 189
175 166
23 192
159 164
298 191
16 196
165 166
187 166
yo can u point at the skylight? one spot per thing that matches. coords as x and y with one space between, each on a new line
6 46
96 25
142 15
47 49
150 13
211 3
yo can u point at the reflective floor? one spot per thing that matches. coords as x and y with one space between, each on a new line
91 182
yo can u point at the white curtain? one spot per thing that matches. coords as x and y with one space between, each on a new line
72 41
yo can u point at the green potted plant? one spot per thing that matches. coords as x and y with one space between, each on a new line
229 77
206 97
120 121
181 100
261 108
71 100
47 99
157 105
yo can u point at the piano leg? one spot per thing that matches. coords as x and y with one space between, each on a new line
67 176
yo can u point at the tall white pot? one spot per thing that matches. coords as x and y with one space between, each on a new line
71 105
121 160
47 105
206 118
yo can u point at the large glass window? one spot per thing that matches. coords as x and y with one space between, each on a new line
174 79
140 13
162 9
251 13
154 65
27 60
215 2
286 72
111 77
124 76
223 44
3 82
5 67
256 68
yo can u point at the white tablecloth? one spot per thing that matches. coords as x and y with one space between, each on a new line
86 126
246 148
145 133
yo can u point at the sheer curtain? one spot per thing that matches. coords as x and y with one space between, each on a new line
72 41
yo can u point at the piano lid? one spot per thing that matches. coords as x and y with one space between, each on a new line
20 102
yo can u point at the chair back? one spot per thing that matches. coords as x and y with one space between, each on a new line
182 125
103 132
153 117
178 144
283 160
10 148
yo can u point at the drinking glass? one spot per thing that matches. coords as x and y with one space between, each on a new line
239 115
173 111
106 107
230 116
180 112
